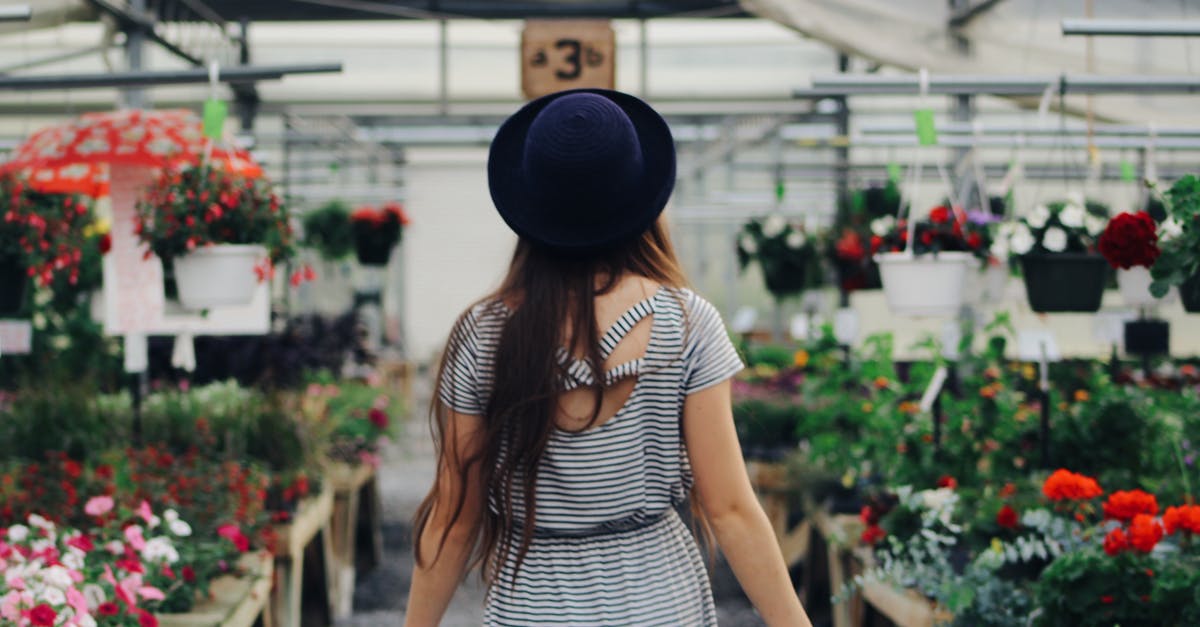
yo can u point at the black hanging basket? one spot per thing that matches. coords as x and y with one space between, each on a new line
372 255
13 283
785 279
1189 293
373 242
1065 282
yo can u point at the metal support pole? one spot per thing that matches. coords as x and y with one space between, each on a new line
135 42
644 59
444 67
246 96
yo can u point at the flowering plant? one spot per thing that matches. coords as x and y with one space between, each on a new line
943 230
195 206
377 231
1070 226
360 415
785 252
1180 258
41 234
1129 240
327 230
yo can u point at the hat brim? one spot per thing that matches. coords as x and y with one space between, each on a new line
642 203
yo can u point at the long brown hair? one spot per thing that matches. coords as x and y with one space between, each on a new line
552 298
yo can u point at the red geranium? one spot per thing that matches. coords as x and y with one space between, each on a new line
42 615
1116 541
939 215
1067 485
1130 240
873 534
849 246
1124 505
946 481
1144 532
378 417
1007 517
1186 517
108 608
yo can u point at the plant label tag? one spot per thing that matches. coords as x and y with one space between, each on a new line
215 112
1128 171
894 172
16 337
743 321
951 339
926 129
935 388
799 327
1037 345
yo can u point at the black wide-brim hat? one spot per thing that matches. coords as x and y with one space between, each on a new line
582 171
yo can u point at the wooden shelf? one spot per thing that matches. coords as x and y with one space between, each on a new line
233 601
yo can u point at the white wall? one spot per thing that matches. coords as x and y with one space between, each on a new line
457 247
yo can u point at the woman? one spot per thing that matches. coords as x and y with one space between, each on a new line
561 484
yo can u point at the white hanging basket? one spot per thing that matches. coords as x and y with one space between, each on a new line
1134 284
929 285
218 276
989 286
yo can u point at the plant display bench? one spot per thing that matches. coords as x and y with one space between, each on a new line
835 536
770 481
303 559
355 529
233 601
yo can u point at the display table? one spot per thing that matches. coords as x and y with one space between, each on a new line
303 552
355 529
234 601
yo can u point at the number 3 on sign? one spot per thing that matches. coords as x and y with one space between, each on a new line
566 54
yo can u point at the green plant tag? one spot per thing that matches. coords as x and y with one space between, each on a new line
215 112
1128 172
893 171
780 190
926 130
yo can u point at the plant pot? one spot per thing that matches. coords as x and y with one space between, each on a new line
929 285
1147 337
1134 284
784 280
1189 293
218 276
989 286
1064 282
13 284
372 255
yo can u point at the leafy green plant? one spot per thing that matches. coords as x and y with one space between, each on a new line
328 230
788 255
1179 260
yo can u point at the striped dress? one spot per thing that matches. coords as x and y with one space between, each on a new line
609 547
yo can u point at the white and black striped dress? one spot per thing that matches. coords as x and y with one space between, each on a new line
609 548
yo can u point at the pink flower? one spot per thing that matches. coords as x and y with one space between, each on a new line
98 505
145 512
77 602
151 593
133 535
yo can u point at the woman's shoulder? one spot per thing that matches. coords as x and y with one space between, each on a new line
693 304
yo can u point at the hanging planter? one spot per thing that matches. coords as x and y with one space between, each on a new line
13 280
376 232
788 257
1064 282
931 285
219 276
989 286
1189 293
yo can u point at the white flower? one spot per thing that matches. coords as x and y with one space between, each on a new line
1076 198
999 248
73 560
937 499
748 245
1055 239
1094 224
1022 240
18 533
58 577
94 595
38 521
154 522
882 226
87 621
1072 216
773 226
1170 229
1038 217
796 239
180 528
53 596
171 515
115 547
160 550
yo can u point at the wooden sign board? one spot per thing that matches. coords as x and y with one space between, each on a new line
567 54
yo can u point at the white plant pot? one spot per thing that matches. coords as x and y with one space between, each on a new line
989 286
1134 285
928 285
218 276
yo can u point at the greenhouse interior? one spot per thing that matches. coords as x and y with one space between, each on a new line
273 272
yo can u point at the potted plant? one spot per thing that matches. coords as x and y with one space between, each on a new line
327 230
1056 247
41 236
787 255
1179 261
221 232
1130 245
850 237
377 231
927 275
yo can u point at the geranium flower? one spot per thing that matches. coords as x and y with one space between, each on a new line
234 535
378 417
1144 533
872 534
108 608
98 505
1130 240
1124 505
1066 485
1116 541
1186 517
1007 517
42 615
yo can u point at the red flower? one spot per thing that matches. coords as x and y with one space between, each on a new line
974 240
1007 517
104 243
849 246
1008 490
873 534
1124 505
939 215
869 515
189 574
108 608
82 542
1116 541
42 615
104 471
1130 240
927 238
378 417
1066 485
146 619
234 535
876 243
1186 517
946 481
1144 532
1106 599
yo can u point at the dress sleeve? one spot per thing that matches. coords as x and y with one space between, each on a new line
710 357
459 386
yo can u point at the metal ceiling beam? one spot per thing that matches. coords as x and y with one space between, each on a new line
16 13
297 10
233 75
1100 130
875 85
964 15
1132 28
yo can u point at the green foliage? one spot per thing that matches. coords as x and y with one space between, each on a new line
789 257
1088 588
328 231
1180 258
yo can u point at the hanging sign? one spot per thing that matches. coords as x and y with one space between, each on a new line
215 112
1128 171
567 54
894 172
926 130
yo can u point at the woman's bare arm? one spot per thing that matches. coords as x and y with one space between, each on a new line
741 527
434 584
